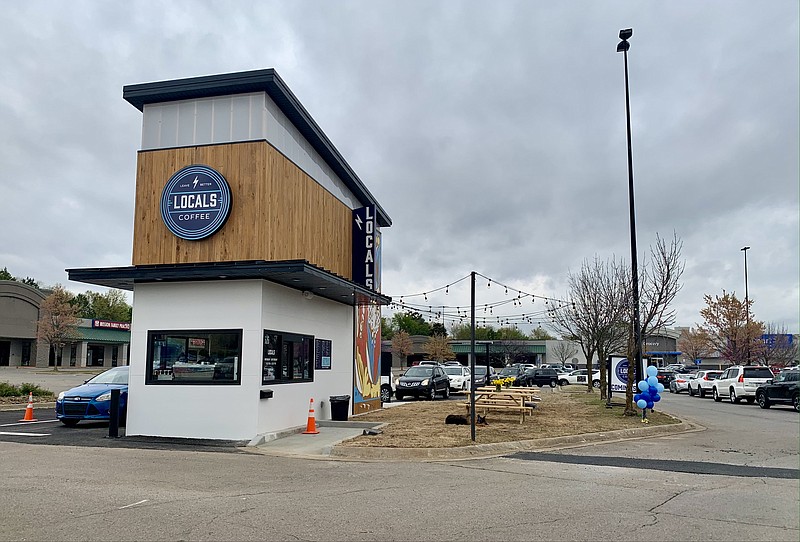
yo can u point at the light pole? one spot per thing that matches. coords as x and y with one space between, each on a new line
746 304
623 47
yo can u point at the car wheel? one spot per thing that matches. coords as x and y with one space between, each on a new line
563 382
69 422
553 383
796 402
540 385
702 392
671 388
715 395
432 394
386 394
763 402
596 384
447 393
691 391
732 396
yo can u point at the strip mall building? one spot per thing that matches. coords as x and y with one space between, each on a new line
256 264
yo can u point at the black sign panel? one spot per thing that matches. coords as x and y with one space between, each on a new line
366 244
322 354
272 345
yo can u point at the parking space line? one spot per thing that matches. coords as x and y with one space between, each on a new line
13 434
27 423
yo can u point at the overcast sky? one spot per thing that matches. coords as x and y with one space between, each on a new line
492 133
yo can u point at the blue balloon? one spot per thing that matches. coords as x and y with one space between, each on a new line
641 403
643 385
650 404
653 381
660 387
652 370
637 397
656 398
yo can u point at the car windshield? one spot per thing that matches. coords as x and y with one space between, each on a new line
480 370
453 370
757 372
419 371
113 376
713 375
509 371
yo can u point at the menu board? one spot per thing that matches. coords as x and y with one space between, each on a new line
269 369
322 354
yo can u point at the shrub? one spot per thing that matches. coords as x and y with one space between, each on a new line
26 387
7 390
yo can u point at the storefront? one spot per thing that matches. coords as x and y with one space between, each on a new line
93 343
255 268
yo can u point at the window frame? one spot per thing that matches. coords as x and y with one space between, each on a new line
281 363
149 378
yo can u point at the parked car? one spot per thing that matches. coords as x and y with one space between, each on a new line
423 381
680 382
91 400
784 388
578 376
429 363
482 377
740 382
665 377
459 377
387 387
702 382
540 377
515 372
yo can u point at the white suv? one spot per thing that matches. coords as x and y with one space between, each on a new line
740 382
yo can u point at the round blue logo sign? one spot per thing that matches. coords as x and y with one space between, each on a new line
622 370
195 202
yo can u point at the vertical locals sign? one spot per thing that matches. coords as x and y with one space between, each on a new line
366 248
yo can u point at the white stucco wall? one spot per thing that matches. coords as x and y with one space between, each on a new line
233 412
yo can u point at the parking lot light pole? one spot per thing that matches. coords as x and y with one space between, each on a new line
623 47
746 304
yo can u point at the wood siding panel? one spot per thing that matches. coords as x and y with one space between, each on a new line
278 212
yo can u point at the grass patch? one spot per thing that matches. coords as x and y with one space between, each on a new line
562 412
23 390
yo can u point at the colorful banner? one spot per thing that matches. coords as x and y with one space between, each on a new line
367 384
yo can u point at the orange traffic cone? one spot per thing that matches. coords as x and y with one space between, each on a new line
29 410
311 427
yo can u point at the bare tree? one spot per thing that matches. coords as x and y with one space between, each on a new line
592 315
402 345
58 320
564 350
779 347
695 343
438 348
659 283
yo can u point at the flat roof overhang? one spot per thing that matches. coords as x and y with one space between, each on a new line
295 274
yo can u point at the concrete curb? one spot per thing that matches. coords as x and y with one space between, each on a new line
478 451
9 407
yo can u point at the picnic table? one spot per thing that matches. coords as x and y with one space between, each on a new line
511 399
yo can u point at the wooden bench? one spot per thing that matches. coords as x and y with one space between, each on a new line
485 405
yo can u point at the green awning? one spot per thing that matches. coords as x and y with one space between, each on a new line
95 335
500 348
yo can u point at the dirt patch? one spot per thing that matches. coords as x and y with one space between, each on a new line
569 411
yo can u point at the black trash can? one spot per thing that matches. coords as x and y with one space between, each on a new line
340 407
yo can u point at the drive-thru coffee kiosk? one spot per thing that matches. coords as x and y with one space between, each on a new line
256 264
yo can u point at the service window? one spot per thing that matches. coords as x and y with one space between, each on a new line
287 357
194 357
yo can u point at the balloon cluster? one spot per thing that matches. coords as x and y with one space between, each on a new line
649 390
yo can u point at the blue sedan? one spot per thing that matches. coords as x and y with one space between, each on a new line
92 400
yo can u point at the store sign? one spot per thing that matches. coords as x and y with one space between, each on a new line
106 324
366 248
195 202
619 374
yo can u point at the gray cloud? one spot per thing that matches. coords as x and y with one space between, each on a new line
493 134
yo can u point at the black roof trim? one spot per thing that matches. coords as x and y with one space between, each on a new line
257 81
295 274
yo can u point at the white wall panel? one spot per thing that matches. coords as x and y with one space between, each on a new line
234 412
